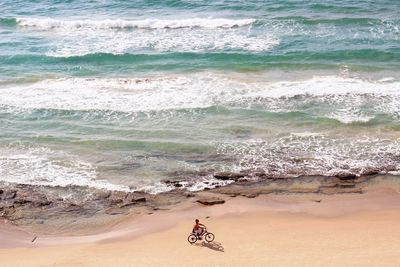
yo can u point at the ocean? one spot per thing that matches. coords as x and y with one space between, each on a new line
122 95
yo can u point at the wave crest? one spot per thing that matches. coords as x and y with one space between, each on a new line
344 99
48 23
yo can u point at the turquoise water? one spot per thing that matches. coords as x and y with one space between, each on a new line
123 94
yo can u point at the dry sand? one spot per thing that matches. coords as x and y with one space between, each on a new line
340 230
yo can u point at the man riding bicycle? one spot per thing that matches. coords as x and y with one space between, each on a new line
198 228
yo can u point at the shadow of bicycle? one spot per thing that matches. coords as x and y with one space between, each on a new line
212 245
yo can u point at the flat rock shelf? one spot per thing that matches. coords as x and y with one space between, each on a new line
41 207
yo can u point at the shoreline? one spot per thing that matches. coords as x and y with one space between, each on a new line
134 226
40 209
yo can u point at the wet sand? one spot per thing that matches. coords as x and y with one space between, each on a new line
272 230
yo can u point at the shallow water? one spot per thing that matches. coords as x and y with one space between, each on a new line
120 95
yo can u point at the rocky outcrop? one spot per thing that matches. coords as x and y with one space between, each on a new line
210 201
22 196
300 185
28 204
118 198
34 205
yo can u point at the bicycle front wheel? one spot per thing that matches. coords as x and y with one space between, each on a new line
210 237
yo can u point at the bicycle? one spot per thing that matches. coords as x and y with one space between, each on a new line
193 237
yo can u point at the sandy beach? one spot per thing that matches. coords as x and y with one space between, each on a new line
274 230
276 123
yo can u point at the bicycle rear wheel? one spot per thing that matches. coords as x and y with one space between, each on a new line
192 238
210 237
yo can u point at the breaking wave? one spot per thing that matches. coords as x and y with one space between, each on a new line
344 99
213 23
315 154
43 166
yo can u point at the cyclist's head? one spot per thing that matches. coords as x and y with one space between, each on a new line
197 220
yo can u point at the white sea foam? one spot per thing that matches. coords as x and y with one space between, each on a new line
82 37
186 40
193 185
296 155
203 183
49 23
42 166
343 99
383 30
154 188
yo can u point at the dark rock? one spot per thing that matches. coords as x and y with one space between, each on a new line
189 195
133 197
43 203
243 180
250 195
158 208
172 182
114 211
371 171
117 197
21 201
346 176
228 175
175 183
126 205
210 201
140 199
